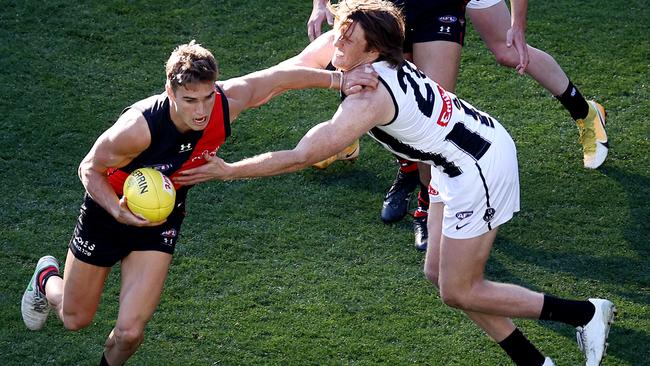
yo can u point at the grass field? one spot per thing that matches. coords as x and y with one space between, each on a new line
299 269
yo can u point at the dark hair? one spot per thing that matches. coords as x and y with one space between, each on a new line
190 63
382 22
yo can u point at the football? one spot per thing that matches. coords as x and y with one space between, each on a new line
150 194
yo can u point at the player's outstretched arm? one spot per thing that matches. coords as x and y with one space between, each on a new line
259 87
356 115
115 148
317 54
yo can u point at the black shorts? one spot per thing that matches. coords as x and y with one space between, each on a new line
100 240
431 20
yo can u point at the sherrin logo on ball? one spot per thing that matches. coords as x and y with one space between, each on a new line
150 194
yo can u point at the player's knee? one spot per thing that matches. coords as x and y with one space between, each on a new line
76 320
129 336
431 275
454 297
507 57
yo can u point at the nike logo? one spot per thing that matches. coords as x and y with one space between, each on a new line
461 226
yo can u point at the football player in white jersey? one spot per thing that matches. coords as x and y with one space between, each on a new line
476 185
439 58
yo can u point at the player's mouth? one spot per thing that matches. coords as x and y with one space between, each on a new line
201 121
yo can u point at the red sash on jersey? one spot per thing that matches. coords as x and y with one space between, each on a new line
213 137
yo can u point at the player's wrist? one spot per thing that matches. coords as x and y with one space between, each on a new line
336 80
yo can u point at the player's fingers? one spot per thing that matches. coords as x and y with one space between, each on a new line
155 223
330 18
353 90
310 32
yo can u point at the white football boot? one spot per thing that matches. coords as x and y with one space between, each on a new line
592 338
34 306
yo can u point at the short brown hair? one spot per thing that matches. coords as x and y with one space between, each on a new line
382 22
190 63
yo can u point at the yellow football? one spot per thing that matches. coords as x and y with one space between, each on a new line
150 194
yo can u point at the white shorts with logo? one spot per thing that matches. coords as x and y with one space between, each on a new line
482 4
484 196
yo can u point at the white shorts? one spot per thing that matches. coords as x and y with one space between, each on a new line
485 196
482 4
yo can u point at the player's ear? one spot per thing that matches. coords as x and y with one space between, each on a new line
170 91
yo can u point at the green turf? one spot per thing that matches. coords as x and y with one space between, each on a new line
299 270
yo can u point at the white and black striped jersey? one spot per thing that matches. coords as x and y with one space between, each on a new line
430 124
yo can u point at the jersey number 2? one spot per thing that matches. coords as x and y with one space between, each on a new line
407 74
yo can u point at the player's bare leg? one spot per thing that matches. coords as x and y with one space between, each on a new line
498 328
501 329
492 24
439 60
75 298
143 277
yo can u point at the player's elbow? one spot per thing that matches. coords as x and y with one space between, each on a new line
301 158
82 170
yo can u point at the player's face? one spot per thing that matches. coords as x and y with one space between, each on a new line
191 105
350 47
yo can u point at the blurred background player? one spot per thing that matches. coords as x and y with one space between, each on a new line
435 32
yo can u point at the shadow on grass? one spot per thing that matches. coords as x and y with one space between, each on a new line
626 276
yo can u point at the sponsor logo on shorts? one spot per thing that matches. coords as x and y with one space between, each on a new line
458 227
463 214
169 237
448 19
171 233
489 214
83 246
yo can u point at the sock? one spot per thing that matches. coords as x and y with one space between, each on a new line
423 201
576 313
520 350
574 102
407 166
45 275
103 362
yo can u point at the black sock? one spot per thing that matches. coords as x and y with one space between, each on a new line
576 313
103 362
520 350
574 102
